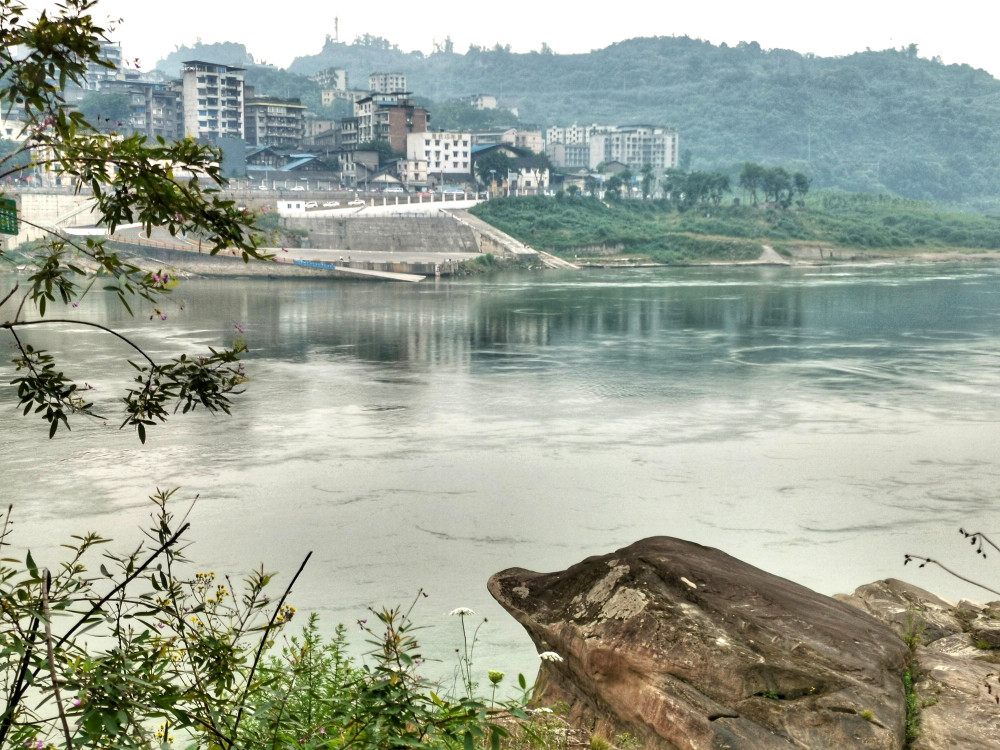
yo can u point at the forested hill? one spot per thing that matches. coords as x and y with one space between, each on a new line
873 121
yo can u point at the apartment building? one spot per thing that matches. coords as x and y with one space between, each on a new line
155 108
387 117
270 121
165 110
437 157
386 83
574 133
569 155
315 126
213 100
530 140
635 147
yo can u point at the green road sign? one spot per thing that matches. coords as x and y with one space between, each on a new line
8 216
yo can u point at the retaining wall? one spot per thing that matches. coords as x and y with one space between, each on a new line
415 234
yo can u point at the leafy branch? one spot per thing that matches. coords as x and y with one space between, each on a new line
131 180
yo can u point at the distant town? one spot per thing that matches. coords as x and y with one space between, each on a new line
389 143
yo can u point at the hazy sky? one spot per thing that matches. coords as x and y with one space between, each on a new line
958 31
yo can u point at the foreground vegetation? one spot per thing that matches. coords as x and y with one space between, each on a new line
141 650
655 230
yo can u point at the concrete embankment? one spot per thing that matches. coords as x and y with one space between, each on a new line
413 235
492 240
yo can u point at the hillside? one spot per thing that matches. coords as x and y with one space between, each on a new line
887 121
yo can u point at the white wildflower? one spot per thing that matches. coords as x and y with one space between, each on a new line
462 612
550 656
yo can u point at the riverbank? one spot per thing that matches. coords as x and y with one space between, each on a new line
825 228
810 256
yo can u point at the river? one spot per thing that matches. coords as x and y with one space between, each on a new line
816 422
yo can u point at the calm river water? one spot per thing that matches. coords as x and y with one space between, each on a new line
815 422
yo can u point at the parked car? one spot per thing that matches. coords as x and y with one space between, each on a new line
394 189
298 188
356 202
262 187
312 204
331 204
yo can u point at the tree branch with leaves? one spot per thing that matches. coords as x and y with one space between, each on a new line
175 187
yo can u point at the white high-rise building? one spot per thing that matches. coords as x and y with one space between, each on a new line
213 100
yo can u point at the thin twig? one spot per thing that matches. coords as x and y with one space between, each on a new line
46 582
21 324
18 689
979 537
263 642
926 560
6 525
10 294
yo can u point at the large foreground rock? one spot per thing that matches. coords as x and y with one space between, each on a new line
683 646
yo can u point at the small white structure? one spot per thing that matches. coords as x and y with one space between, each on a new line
292 207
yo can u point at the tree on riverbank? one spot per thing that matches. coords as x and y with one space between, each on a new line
132 180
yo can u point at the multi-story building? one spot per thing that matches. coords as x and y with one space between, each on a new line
569 155
635 147
315 126
270 121
154 108
574 133
386 83
532 174
349 132
165 110
389 118
438 157
530 140
213 100
333 87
